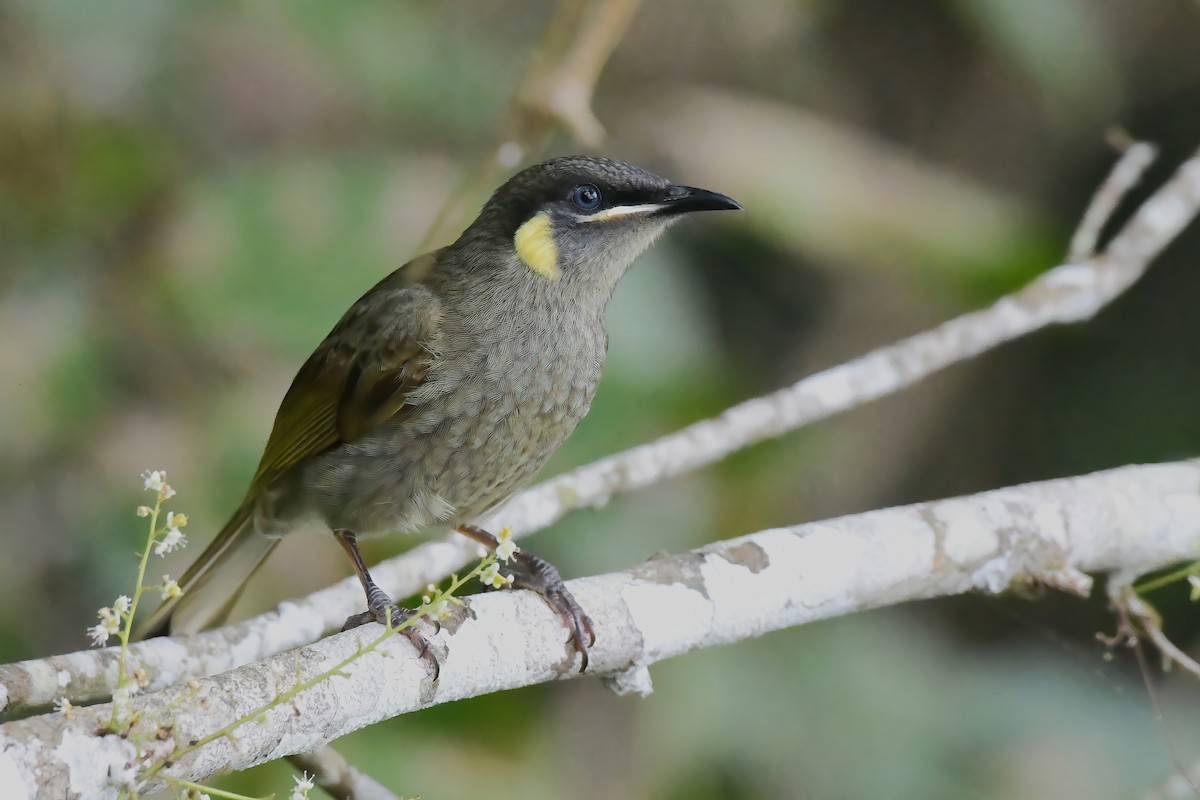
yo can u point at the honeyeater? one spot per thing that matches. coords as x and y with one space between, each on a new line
445 388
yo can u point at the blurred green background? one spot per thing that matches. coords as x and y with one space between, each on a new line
192 193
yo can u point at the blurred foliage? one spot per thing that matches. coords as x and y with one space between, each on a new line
191 194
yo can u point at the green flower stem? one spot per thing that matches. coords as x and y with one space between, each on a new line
199 787
127 624
1171 577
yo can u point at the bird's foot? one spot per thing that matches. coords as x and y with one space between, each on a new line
538 575
381 609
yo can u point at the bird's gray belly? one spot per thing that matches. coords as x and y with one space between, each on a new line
469 440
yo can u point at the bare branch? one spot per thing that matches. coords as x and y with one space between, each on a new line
1135 159
1065 293
555 91
564 68
1137 517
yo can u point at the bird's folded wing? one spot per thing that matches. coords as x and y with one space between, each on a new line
359 377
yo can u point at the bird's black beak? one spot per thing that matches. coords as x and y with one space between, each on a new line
686 199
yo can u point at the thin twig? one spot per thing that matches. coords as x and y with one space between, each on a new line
555 91
1136 158
1128 607
1151 626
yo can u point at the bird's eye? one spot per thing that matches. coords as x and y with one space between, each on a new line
586 196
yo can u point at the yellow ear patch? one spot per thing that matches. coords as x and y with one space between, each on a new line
535 246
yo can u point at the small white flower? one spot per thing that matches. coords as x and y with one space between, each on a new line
122 605
491 577
110 623
176 520
63 706
98 634
303 785
154 480
144 511
170 588
172 540
507 547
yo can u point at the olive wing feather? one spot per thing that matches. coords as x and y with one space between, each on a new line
359 376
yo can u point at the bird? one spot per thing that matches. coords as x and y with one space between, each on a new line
447 386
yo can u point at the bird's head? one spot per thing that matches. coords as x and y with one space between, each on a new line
580 221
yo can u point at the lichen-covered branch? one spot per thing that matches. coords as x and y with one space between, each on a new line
1132 518
1066 293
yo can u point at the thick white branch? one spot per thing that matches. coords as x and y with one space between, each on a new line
1066 293
1137 517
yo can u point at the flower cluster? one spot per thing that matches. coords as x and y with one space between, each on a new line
109 625
156 481
438 604
489 570
112 617
170 589
164 535
117 619
491 576
162 539
173 539
506 548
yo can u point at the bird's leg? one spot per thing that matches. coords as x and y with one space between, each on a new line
537 574
380 607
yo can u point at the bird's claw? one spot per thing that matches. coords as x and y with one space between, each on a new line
539 575
387 613
576 620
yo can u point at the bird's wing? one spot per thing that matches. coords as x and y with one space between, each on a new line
359 376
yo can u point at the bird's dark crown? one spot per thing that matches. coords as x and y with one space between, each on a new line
553 181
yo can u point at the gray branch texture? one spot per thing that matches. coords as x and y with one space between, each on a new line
1137 517
1044 533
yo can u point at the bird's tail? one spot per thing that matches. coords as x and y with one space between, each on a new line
214 582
